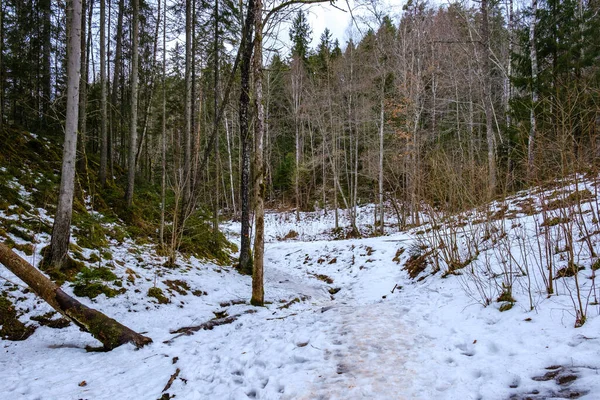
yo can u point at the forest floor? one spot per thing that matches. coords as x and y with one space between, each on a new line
344 321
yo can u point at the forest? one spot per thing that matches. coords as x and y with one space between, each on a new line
167 122
451 106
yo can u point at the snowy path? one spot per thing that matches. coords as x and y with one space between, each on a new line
370 349
369 339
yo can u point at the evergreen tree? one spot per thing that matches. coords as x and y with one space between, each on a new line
300 36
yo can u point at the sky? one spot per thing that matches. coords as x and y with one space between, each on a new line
338 19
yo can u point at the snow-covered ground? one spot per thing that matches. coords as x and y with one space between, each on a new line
359 329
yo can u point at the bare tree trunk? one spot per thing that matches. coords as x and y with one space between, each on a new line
134 105
258 291
216 122
2 64
381 125
103 110
230 167
108 331
115 83
297 101
163 186
46 7
150 93
534 91
61 230
81 163
487 97
245 264
187 160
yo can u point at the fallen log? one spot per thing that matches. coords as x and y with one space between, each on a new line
108 331
206 326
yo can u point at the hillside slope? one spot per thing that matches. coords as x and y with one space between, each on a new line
456 309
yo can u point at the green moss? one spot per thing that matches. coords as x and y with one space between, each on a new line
91 282
201 241
506 307
20 233
25 248
158 294
178 286
89 231
108 334
32 162
94 289
46 320
78 255
10 326
101 273
66 272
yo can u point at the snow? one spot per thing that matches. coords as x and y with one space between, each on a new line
381 336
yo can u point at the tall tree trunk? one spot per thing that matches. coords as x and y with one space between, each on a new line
381 126
150 91
534 91
487 96
116 118
61 230
103 110
233 202
134 104
108 331
258 291
245 264
509 94
297 101
187 158
81 163
216 111
46 7
163 185
2 67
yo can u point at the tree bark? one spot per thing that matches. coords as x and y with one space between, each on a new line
115 83
215 122
1 64
487 97
534 91
258 291
46 7
163 186
103 113
381 137
187 163
230 166
108 331
245 264
61 230
134 104
83 91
